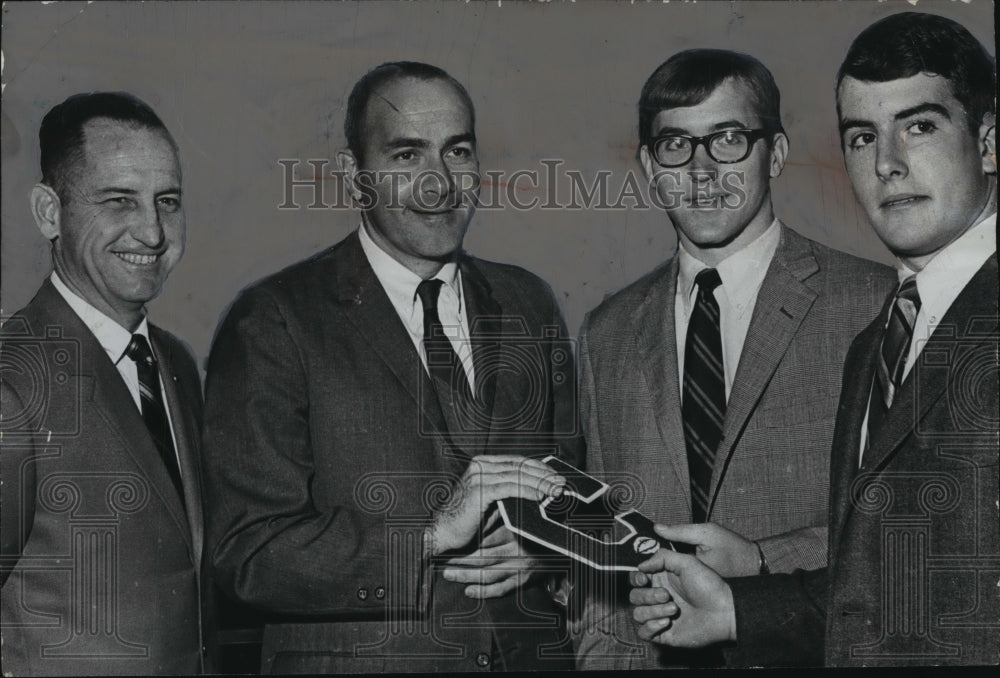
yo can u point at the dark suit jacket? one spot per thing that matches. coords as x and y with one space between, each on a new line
326 457
914 534
100 558
770 478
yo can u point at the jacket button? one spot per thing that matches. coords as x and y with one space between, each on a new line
483 659
362 594
379 593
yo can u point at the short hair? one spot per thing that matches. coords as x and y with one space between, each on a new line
357 102
906 44
688 78
60 137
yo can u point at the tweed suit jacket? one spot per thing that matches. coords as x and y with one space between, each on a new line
914 532
770 478
101 560
327 457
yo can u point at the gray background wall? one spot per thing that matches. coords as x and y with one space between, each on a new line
242 85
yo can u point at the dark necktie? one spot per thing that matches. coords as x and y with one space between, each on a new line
443 362
892 356
153 411
704 401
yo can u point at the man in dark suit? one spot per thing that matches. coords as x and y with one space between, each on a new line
719 399
101 512
914 534
365 407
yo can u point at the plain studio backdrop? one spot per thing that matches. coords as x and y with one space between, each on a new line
245 85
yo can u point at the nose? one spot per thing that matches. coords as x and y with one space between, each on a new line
435 183
891 159
147 226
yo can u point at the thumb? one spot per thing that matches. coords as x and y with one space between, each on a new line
686 534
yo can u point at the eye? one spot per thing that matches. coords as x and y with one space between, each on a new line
860 140
921 127
675 143
730 138
169 203
404 156
119 202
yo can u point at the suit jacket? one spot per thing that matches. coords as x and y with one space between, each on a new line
327 454
914 533
100 557
769 481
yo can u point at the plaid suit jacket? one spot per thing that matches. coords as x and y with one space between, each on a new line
770 480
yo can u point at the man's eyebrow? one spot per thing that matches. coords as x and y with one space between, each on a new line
730 124
850 123
407 142
468 137
664 131
116 189
927 107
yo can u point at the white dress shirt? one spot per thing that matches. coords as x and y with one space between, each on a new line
939 284
114 339
742 274
400 284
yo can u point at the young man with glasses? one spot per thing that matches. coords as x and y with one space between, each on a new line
713 380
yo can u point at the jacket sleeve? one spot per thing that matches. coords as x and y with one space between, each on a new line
270 545
17 482
780 619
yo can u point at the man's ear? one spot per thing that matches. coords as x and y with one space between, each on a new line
988 143
646 160
779 152
46 208
349 166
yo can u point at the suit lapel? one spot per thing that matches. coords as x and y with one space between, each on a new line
782 304
977 302
367 307
655 333
485 323
859 371
185 435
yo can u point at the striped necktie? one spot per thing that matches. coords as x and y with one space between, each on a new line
892 355
154 413
704 401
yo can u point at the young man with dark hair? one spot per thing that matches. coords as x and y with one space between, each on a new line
100 470
914 533
713 380
363 414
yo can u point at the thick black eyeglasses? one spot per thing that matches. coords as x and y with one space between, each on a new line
727 146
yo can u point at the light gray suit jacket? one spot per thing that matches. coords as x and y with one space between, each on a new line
771 476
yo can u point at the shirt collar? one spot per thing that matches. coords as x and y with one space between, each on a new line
400 282
741 272
113 338
943 278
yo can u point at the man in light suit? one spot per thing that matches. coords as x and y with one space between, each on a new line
365 407
914 533
711 383
101 512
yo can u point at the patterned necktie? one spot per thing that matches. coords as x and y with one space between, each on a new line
704 400
153 411
892 356
443 363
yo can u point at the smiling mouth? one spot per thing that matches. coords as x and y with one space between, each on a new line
902 201
137 259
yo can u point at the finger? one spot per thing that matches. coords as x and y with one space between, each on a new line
649 596
513 489
687 534
636 578
666 560
483 557
651 630
479 575
500 536
647 613
491 521
496 590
